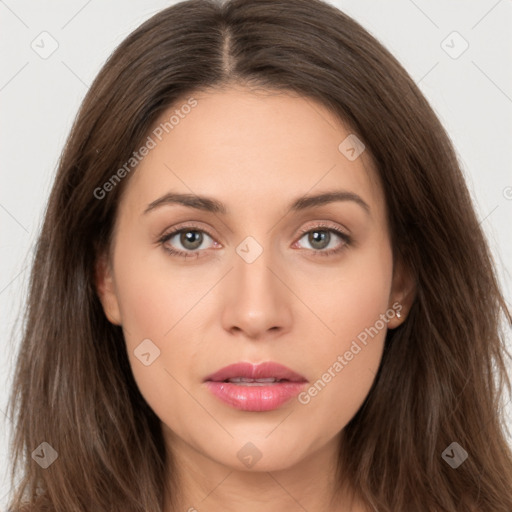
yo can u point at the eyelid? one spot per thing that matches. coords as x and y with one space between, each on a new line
182 226
323 224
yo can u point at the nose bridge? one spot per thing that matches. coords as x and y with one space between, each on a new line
256 297
252 276
251 266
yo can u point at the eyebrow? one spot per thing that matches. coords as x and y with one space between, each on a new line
209 204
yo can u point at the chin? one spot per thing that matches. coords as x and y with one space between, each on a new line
262 453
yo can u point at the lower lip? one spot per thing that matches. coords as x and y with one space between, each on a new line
255 398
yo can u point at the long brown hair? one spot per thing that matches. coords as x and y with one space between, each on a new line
443 373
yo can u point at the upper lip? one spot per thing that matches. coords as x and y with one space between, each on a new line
255 371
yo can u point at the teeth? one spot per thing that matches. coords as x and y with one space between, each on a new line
245 380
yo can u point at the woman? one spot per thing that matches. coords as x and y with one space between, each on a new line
193 344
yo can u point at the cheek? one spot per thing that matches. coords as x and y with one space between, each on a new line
158 336
150 295
346 360
153 311
353 297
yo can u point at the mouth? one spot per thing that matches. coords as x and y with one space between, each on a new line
244 381
257 388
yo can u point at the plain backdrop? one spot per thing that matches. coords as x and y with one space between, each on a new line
458 52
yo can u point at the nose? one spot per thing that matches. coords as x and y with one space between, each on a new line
256 300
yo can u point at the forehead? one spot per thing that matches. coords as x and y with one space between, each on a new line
251 148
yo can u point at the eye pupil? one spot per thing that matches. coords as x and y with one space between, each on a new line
191 237
319 236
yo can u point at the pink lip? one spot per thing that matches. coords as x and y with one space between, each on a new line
256 398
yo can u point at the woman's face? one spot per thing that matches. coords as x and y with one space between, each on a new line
260 276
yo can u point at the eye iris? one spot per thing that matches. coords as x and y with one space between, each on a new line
319 236
191 237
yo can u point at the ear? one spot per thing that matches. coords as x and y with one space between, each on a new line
403 293
105 287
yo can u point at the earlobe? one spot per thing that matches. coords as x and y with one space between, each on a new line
403 293
105 287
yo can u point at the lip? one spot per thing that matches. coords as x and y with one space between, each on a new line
255 397
255 371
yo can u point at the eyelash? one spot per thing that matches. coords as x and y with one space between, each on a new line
347 240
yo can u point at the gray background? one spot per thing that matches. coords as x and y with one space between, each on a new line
471 92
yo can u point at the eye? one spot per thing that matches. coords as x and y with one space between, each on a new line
190 238
321 237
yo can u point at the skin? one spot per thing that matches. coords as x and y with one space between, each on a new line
255 152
